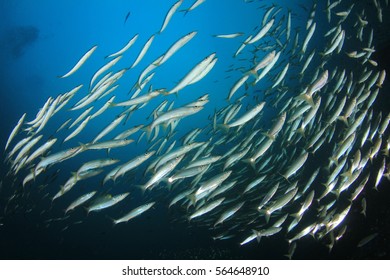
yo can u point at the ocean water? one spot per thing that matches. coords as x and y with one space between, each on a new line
42 40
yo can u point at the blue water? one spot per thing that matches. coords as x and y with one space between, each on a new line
41 40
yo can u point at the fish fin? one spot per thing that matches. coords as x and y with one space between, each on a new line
185 11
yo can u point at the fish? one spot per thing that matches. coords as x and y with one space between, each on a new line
134 213
262 32
308 37
80 63
41 150
169 15
109 128
205 209
193 6
248 116
15 131
162 172
176 46
134 163
188 172
228 213
126 18
103 69
95 164
57 157
229 36
78 129
367 239
143 51
280 203
105 201
126 47
192 75
79 201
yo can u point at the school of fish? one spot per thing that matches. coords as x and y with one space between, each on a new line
289 153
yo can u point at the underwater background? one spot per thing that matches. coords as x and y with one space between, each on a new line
42 40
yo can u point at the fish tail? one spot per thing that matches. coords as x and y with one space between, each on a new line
114 222
148 129
223 127
185 11
252 72
284 176
267 216
301 131
251 162
333 160
337 193
344 120
270 136
307 98
192 198
295 215
142 188
87 209
258 235
347 174
75 175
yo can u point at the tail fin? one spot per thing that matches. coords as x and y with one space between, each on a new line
114 222
258 235
307 98
343 119
185 11
223 127
267 214
270 136
251 162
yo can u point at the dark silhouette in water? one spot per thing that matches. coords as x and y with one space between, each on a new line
18 38
127 16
